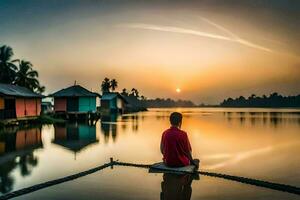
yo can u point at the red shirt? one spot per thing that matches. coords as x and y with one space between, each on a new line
176 147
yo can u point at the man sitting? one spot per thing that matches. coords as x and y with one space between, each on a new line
175 145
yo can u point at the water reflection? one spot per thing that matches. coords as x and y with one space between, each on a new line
109 127
250 145
176 186
75 137
134 120
16 151
273 118
109 124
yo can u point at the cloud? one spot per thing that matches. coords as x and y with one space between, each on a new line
173 29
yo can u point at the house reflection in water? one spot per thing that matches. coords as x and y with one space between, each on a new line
75 137
16 150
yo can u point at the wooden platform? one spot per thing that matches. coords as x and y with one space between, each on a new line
162 168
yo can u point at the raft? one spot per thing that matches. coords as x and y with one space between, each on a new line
162 168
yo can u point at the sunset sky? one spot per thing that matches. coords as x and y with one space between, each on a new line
208 49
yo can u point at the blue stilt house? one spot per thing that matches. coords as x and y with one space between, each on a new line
75 99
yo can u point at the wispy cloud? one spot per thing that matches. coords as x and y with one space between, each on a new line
173 29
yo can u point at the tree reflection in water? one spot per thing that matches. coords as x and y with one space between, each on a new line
273 119
109 125
17 147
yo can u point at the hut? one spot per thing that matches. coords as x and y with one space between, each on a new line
74 99
113 102
18 102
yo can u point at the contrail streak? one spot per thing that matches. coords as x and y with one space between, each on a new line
234 36
174 29
220 27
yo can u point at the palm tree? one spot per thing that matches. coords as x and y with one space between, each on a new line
135 92
105 86
41 89
124 92
143 98
132 92
7 66
113 84
27 77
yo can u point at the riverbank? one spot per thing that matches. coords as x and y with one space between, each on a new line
31 121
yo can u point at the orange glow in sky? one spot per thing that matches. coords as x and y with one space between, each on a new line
209 49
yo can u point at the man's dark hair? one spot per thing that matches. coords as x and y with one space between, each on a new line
175 118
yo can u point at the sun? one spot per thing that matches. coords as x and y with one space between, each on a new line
178 90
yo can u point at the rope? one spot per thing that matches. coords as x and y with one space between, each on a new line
250 181
53 182
256 182
260 183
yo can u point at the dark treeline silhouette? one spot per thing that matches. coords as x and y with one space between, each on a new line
159 102
135 100
273 100
18 72
140 101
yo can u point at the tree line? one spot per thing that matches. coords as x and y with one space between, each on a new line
132 96
137 100
163 103
18 72
273 100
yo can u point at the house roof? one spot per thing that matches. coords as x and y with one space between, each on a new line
74 91
17 91
111 95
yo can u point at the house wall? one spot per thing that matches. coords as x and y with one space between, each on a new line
87 104
28 107
1 103
60 104
38 106
31 107
105 104
113 103
72 104
120 103
20 107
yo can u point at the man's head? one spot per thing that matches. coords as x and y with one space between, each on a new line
176 119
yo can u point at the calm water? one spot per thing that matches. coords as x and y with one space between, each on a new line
257 143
